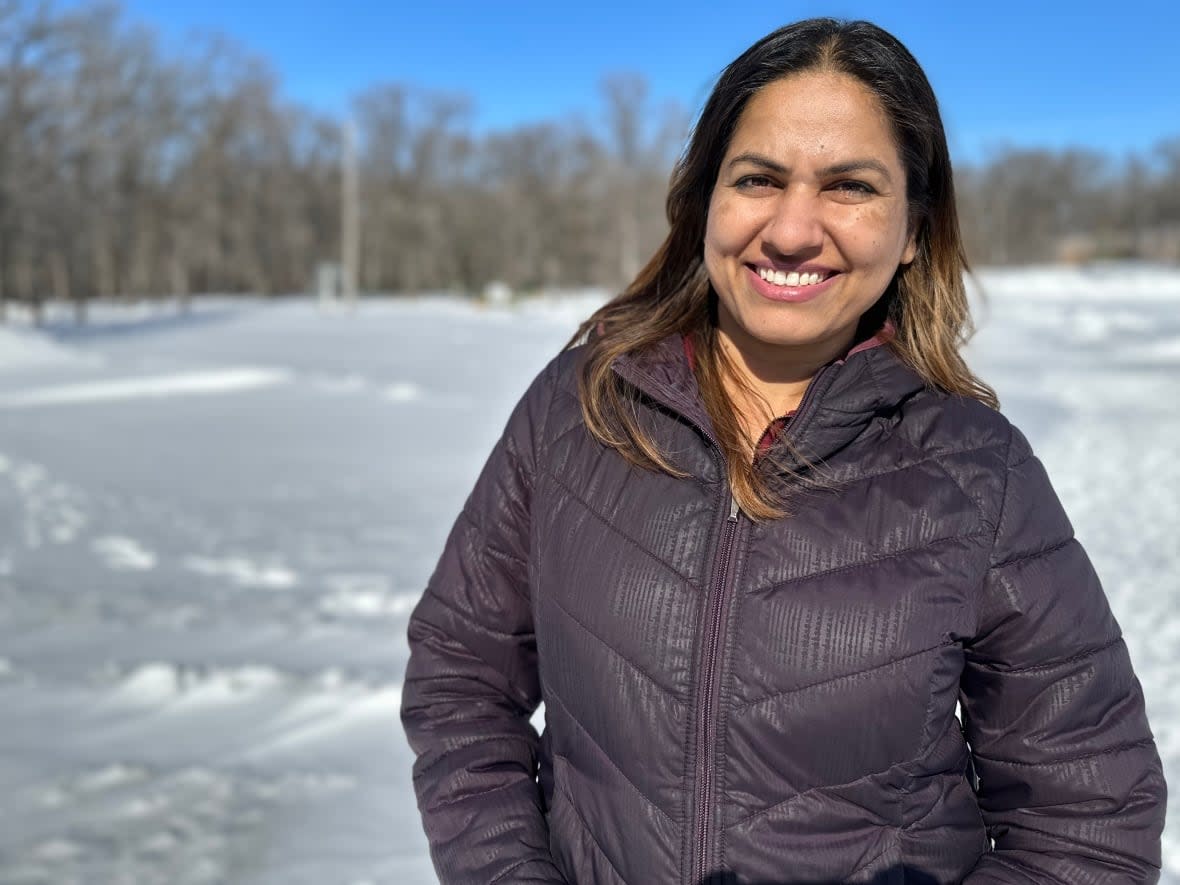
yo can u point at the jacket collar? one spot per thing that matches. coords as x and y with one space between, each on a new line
841 400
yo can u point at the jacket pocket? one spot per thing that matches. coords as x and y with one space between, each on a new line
574 848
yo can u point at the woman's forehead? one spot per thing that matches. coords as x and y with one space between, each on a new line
814 117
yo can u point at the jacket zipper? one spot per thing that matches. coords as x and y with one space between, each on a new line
707 716
707 720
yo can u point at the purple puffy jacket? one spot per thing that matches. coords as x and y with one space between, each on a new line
738 702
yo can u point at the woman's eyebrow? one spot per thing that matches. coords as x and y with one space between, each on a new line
757 160
862 165
842 168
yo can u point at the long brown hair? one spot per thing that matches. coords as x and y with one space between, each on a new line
926 301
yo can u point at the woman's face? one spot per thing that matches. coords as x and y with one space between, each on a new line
808 218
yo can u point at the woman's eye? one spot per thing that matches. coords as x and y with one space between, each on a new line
754 182
855 188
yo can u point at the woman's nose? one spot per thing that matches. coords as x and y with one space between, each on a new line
795 224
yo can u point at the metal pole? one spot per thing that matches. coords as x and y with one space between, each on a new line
349 216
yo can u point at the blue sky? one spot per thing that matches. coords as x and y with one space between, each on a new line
1022 73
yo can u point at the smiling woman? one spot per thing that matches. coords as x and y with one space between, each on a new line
807 226
759 535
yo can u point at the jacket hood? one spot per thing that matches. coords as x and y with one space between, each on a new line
840 401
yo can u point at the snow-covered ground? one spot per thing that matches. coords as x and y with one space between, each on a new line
213 528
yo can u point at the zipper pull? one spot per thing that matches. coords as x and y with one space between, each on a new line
734 510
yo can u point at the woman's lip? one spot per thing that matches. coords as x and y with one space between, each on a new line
794 294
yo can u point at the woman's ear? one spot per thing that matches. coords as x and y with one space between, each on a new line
910 252
911 249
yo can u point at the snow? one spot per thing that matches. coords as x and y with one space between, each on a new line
214 526
243 571
22 349
187 383
403 392
123 554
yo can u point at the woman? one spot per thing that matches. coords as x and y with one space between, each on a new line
753 541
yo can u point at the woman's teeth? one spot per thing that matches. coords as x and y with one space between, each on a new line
780 278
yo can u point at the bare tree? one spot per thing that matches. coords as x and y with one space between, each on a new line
125 172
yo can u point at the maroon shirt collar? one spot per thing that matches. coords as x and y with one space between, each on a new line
772 432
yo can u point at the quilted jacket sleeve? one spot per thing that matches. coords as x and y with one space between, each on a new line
471 682
1070 784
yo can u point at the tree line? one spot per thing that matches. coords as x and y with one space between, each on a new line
126 171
